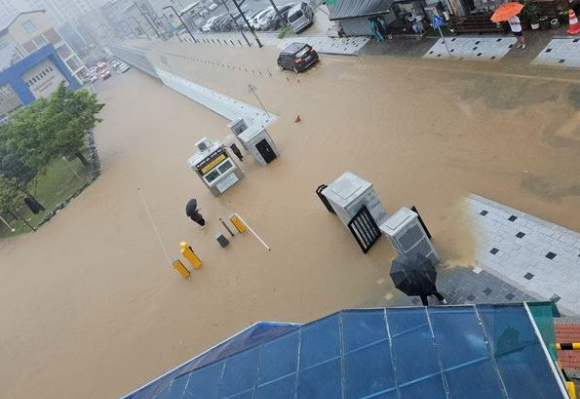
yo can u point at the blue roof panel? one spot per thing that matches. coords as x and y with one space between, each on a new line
476 352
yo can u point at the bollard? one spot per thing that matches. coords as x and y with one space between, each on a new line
188 254
180 267
238 224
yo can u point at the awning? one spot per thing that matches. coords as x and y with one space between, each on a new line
344 9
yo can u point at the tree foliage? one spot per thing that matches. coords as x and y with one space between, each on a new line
51 127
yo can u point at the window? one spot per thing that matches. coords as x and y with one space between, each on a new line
220 170
40 41
6 93
29 26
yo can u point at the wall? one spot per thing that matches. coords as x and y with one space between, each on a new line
43 79
41 21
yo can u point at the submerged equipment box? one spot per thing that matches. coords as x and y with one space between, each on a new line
215 167
259 144
407 235
349 193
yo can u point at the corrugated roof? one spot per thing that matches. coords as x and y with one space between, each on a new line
344 9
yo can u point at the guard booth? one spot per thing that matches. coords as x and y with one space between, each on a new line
215 167
407 235
357 205
259 144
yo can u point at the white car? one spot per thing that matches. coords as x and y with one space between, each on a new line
212 6
123 67
263 22
258 16
208 24
92 78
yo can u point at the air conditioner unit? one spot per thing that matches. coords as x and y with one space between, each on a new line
407 235
203 144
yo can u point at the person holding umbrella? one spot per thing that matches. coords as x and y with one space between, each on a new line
509 12
192 212
415 275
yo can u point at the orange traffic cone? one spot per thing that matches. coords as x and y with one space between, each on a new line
297 119
574 28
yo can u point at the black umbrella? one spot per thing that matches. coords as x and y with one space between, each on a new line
191 207
414 274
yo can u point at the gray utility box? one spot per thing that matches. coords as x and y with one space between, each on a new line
259 144
238 126
349 193
407 236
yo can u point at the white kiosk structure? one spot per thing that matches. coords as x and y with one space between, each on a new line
215 167
256 140
349 193
407 235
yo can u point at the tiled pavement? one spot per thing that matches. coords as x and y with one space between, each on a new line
562 52
527 251
462 285
472 48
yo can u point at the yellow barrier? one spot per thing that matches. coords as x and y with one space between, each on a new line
237 222
188 254
571 389
180 267
568 346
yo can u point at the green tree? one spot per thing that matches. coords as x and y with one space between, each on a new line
52 127
10 197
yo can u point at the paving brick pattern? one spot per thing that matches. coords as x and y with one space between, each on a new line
465 285
560 52
568 333
473 49
526 251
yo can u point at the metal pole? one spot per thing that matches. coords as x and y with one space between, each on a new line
183 23
8 224
72 169
140 27
248 24
147 19
445 42
236 23
275 7
253 232
226 227
262 105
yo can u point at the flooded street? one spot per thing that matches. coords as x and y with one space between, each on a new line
90 307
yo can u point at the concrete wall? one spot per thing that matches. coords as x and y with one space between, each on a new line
43 78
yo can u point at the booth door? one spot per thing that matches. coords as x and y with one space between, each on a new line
266 151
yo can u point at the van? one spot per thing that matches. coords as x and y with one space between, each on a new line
300 17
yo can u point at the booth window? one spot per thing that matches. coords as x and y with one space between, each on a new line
220 170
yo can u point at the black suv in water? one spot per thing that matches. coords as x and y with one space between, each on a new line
297 57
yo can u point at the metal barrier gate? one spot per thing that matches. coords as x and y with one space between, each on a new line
364 229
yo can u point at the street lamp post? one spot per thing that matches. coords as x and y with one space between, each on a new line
236 23
181 20
140 27
248 24
148 21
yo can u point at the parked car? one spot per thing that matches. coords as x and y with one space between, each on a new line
105 74
300 17
297 57
212 6
208 24
123 67
91 78
257 17
219 22
264 20
275 22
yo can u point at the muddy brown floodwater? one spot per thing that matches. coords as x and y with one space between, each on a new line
90 307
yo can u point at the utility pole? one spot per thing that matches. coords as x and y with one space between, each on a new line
248 24
236 23
278 13
182 22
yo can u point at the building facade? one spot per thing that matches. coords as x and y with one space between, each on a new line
9 9
34 59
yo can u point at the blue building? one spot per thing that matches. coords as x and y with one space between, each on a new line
34 60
